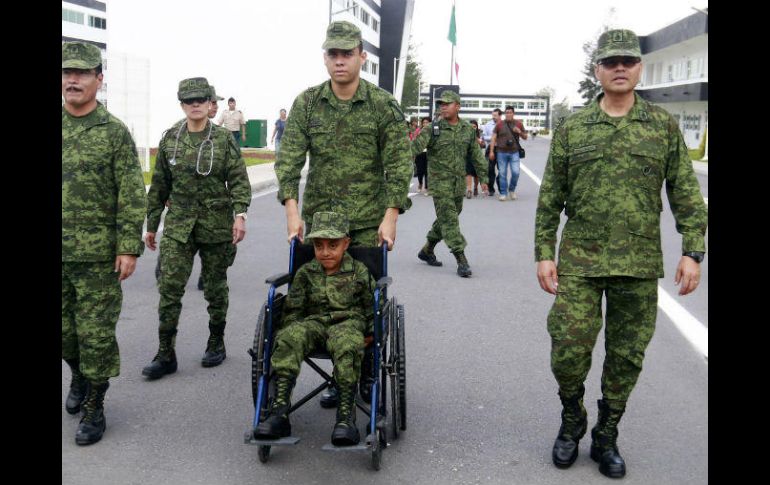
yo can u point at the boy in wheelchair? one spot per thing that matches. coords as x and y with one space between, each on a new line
329 303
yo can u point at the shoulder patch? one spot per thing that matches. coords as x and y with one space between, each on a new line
397 113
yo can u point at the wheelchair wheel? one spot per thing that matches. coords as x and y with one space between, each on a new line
392 361
264 453
257 356
401 367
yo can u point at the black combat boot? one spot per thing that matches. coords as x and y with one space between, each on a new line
366 379
93 424
574 421
215 348
345 432
164 361
78 387
276 424
426 254
463 268
604 436
330 398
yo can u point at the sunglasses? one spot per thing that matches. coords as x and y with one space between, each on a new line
195 100
627 61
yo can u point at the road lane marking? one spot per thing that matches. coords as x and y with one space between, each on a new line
692 329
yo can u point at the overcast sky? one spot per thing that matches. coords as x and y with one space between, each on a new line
264 52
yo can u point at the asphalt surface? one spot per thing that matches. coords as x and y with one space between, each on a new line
482 401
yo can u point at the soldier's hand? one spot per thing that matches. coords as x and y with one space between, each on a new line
688 273
149 240
547 276
125 264
295 227
387 230
485 187
239 230
491 154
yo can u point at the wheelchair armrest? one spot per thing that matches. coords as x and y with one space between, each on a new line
384 282
279 279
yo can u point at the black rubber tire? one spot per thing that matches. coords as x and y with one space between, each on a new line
264 453
258 351
401 355
393 363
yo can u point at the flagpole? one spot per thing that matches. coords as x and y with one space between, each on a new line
451 64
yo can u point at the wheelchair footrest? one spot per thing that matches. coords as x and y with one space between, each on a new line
361 447
249 439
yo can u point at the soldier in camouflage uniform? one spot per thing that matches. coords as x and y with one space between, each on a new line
103 204
447 152
201 176
360 163
605 170
212 114
329 303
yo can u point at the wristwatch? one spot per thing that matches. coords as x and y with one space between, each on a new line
696 255
242 214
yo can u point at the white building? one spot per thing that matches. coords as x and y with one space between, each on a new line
532 111
675 74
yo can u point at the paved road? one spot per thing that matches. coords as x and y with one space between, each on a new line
483 407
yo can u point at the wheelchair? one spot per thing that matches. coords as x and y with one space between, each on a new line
386 345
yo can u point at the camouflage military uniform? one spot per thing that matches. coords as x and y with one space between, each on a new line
606 174
447 154
335 310
203 195
103 204
360 164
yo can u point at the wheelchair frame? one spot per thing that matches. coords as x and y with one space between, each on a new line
388 347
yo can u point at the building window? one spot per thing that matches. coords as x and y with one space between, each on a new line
689 69
72 16
670 76
365 67
374 68
365 16
97 22
375 24
538 105
492 104
469 104
424 102
353 6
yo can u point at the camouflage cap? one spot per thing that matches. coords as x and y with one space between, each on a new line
80 55
342 35
619 42
194 87
449 96
214 96
329 225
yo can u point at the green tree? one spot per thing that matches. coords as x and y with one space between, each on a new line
559 111
589 86
412 76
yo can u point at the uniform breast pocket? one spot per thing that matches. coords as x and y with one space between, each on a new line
321 140
365 137
646 171
581 169
342 292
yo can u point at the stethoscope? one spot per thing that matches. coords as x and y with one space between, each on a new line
200 150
